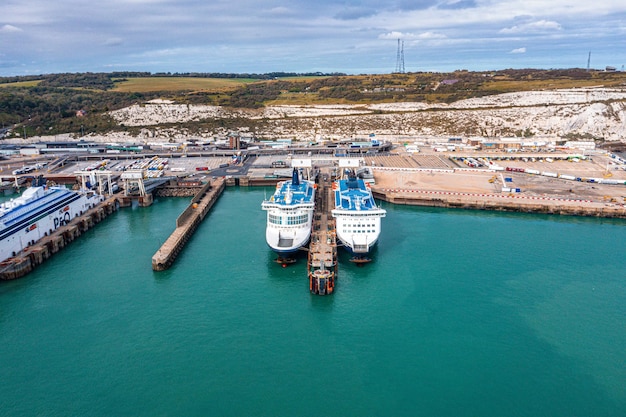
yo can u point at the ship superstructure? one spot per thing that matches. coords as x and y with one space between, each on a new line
357 215
289 214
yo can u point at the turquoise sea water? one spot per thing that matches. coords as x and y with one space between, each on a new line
462 313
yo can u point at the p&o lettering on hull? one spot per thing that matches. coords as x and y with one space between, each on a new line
62 220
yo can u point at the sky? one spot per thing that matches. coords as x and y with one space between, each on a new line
302 36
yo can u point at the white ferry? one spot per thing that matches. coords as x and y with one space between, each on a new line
356 214
290 214
37 212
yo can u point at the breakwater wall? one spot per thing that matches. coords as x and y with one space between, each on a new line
33 256
187 223
502 202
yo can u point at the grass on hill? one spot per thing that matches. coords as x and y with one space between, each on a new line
506 84
304 78
153 84
32 83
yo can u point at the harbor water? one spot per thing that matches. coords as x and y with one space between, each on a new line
461 313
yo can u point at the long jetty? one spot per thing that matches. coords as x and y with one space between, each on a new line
187 223
322 258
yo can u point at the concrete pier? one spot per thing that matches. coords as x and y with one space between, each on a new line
322 259
33 256
187 223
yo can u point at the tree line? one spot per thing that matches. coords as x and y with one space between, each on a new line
105 81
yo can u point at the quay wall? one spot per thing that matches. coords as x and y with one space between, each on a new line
470 201
253 181
263 182
187 223
33 256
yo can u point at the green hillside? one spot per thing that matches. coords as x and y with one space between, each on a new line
48 104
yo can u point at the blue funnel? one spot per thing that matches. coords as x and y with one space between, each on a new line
295 178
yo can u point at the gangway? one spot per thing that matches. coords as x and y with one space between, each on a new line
152 183
137 187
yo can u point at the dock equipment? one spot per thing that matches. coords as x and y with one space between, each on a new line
322 259
103 179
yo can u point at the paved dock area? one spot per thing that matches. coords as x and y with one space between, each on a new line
484 189
407 173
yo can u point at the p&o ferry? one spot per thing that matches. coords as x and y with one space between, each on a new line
38 212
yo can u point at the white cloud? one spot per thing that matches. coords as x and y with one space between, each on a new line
9 29
397 35
391 35
533 27
518 51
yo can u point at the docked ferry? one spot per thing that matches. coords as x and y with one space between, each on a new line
356 215
290 214
37 212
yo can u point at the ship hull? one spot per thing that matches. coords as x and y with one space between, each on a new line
24 225
284 244
359 235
